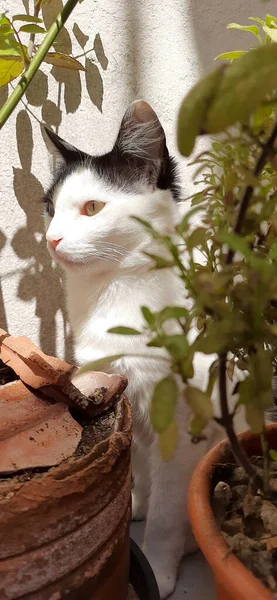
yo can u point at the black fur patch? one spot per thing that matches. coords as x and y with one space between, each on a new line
121 171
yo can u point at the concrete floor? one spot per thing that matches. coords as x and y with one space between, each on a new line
195 581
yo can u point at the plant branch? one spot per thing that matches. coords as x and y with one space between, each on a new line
36 61
23 53
265 153
227 421
227 418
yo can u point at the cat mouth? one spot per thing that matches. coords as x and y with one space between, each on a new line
65 261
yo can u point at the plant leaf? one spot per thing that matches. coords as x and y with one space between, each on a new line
28 18
233 55
272 33
148 315
124 331
193 109
256 19
10 68
200 404
163 404
235 242
270 20
197 425
177 346
32 29
168 441
9 47
251 28
245 84
98 364
161 263
172 312
59 59
273 455
184 225
148 227
255 418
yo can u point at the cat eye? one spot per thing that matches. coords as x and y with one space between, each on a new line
91 208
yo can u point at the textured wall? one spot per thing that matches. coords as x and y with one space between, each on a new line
153 50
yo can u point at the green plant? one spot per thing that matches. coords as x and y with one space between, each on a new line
234 288
17 59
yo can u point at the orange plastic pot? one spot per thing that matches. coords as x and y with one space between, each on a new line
233 581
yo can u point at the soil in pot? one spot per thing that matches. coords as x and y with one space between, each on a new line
248 521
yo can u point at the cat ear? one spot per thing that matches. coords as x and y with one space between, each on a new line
141 135
68 152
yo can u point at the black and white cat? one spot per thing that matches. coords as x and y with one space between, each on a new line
91 235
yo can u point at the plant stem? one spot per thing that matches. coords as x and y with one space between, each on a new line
227 421
36 61
266 151
227 418
265 449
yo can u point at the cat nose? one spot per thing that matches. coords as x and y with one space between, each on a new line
54 243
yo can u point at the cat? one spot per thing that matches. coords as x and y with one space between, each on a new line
90 233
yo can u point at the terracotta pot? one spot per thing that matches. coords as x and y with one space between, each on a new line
65 532
233 581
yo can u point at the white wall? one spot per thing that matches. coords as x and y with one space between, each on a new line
155 50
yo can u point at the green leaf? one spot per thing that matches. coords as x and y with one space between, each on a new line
273 455
59 59
193 110
124 331
148 227
184 225
255 418
197 424
251 28
28 18
233 55
163 404
10 68
272 33
200 404
161 263
256 19
177 346
99 363
196 238
273 251
168 442
9 47
245 84
6 30
148 315
235 242
32 29
270 20
171 312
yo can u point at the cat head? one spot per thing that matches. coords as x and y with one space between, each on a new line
92 198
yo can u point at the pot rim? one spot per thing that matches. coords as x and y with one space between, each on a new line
228 570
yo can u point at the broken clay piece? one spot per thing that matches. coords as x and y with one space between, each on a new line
34 433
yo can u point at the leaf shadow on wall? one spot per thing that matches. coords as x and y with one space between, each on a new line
40 280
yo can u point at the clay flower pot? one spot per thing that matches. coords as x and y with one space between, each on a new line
64 530
233 581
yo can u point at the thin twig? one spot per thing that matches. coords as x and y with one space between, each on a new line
32 36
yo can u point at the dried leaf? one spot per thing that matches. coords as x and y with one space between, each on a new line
59 59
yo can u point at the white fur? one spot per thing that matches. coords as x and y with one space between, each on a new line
108 280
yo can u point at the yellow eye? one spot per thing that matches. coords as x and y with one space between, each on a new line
92 208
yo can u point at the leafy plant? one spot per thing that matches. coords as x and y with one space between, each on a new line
17 59
234 289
